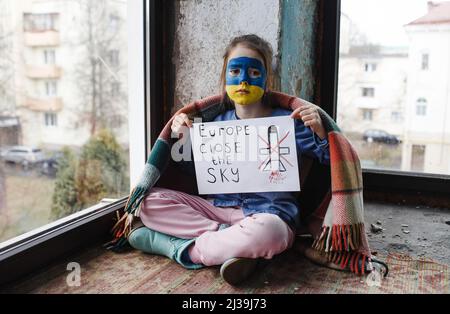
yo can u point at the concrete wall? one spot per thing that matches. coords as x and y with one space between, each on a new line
203 30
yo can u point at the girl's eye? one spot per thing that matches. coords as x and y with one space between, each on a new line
235 71
254 73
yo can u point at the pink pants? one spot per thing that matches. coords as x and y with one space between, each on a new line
187 216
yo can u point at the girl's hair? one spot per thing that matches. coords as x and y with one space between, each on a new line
256 43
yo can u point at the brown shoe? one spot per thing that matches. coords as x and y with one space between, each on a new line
303 246
236 270
319 258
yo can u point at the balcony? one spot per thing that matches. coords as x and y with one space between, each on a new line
366 103
49 104
44 38
43 71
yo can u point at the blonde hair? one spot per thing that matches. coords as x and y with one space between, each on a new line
253 42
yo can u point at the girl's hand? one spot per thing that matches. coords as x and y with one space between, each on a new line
309 114
179 121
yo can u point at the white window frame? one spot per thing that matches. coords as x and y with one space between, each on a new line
51 119
421 107
50 55
114 57
51 88
396 116
368 94
115 88
367 114
136 90
370 67
114 21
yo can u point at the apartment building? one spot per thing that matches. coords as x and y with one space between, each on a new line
427 125
70 62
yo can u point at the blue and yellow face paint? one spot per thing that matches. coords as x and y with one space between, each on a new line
245 80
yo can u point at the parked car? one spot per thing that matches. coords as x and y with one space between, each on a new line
4 150
380 136
24 155
49 166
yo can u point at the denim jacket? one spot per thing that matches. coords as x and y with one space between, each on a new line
282 204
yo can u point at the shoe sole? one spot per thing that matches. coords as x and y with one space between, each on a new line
236 270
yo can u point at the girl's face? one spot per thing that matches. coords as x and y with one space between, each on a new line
246 76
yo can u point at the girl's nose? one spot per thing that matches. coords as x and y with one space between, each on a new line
245 77
244 83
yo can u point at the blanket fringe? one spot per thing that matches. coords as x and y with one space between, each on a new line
339 238
339 243
122 227
354 261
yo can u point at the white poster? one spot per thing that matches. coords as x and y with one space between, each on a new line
241 156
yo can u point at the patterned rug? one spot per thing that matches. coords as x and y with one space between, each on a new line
135 272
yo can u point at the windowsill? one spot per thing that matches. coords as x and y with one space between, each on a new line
103 271
36 236
35 249
406 188
408 173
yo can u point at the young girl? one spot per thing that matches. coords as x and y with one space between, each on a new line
232 230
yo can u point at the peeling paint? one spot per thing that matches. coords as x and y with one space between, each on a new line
298 46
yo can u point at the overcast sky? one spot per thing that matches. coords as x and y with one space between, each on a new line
383 20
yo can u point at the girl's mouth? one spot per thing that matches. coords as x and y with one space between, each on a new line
242 91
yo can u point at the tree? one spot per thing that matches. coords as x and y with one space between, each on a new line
64 200
2 188
100 172
102 169
88 182
97 73
7 94
4 214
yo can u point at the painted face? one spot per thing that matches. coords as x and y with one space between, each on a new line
245 80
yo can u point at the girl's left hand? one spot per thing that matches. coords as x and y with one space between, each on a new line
310 116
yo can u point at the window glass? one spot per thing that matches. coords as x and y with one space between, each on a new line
394 69
63 133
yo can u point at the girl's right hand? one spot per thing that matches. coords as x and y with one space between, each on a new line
179 121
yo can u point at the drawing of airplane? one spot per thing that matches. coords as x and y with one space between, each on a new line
274 162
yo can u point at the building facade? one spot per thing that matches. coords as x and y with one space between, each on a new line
427 131
372 87
58 48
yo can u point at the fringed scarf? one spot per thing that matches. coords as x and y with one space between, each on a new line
342 237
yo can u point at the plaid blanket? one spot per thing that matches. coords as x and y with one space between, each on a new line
340 209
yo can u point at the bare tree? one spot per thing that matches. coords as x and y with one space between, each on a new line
7 97
6 90
97 73
2 189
